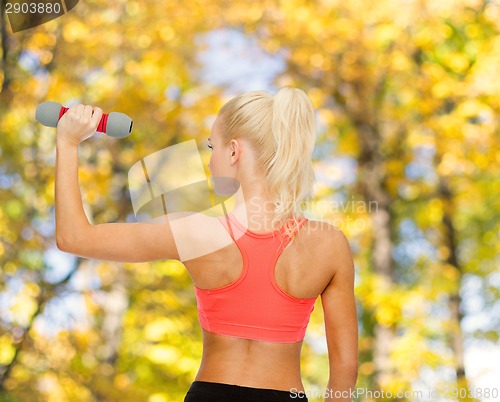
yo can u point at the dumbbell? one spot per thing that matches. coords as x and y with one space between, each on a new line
114 124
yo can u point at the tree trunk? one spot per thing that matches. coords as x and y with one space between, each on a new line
372 188
455 336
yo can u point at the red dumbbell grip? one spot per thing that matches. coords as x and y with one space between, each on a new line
102 124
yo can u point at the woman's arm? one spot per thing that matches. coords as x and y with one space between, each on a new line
341 322
123 242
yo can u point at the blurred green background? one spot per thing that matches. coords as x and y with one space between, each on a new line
407 165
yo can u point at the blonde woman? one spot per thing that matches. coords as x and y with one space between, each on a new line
256 289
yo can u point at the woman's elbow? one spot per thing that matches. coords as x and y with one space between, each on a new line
60 243
347 367
64 246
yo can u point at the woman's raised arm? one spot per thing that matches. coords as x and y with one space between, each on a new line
123 242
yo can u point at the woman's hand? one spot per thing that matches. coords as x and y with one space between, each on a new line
77 124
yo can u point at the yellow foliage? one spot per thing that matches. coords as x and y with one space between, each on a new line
450 273
121 381
23 308
162 354
156 330
75 31
7 349
158 397
387 314
32 289
366 368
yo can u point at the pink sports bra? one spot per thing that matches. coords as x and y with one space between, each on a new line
253 306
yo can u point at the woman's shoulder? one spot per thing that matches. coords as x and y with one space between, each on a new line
318 246
322 228
320 234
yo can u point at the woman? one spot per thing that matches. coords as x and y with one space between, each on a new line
256 294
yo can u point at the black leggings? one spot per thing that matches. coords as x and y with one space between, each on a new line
204 391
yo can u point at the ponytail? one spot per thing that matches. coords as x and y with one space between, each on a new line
282 129
290 174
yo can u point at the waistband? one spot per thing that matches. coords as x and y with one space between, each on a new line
242 391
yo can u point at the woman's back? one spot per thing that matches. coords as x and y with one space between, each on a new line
254 326
302 270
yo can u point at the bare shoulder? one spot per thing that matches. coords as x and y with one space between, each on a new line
328 234
325 248
330 244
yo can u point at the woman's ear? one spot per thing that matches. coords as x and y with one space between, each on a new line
234 146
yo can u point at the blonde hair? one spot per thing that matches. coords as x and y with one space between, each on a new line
282 131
